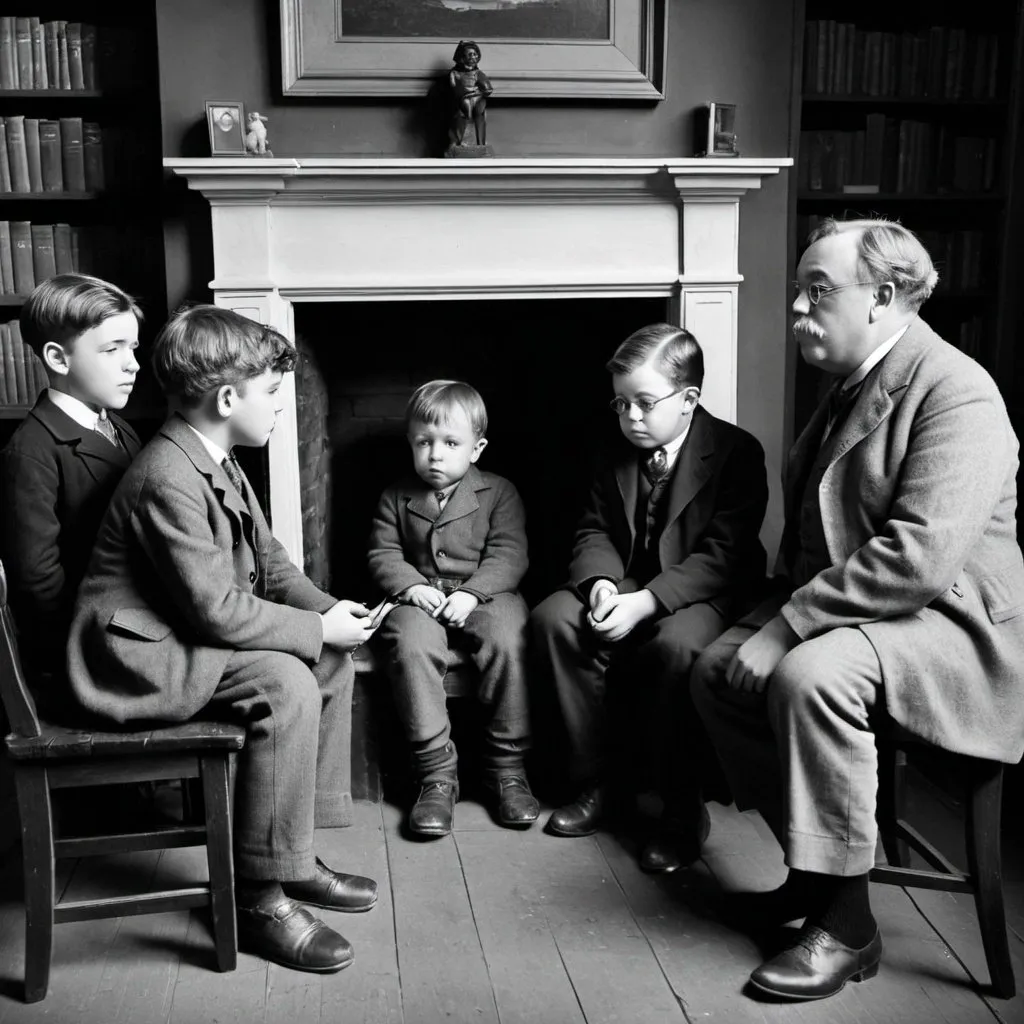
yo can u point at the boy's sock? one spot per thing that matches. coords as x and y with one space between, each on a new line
843 909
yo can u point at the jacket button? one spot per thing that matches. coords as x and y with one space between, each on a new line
252 577
441 554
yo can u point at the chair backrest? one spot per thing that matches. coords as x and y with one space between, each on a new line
18 703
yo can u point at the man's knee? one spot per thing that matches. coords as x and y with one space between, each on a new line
290 692
558 615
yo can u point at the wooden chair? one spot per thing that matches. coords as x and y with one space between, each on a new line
46 757
983 784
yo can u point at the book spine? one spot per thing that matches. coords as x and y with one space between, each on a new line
49 156
20 378
64 70
5 163
8 59
61 248
17 153
72 155
92 145
89 75
74 38
23 51
6 260
52 54
76 255
35 175
21 253
43 263
35 27
8 393
39 383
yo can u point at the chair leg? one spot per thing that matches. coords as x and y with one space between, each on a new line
38 861
984 858
892 801
220 857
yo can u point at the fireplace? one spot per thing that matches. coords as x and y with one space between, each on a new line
458 244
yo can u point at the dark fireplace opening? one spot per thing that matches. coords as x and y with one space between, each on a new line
539 365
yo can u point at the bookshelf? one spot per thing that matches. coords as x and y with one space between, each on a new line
78 85
912 112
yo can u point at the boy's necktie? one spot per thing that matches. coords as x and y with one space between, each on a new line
656 465
441 498
234 474
107 429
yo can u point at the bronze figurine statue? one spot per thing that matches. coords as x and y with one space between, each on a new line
470 88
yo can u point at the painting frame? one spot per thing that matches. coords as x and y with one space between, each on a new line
318 60
226 141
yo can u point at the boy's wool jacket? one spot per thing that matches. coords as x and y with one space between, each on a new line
479 537
709 549
184 573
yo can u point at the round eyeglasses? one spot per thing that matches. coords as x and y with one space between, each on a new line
816 292
645 405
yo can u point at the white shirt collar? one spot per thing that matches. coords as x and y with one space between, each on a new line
873 360
74 407
673 448
216 452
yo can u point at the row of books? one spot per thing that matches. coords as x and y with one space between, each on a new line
31 253
940 62
903 156
22 376
47 55
39 155
959 256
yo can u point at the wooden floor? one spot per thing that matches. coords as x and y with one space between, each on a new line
489 926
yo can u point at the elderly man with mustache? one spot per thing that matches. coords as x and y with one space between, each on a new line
901 596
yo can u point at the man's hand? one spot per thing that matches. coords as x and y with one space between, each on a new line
347 625
599 593
752 665
621 613
424 597
457 609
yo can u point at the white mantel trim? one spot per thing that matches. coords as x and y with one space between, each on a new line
652 227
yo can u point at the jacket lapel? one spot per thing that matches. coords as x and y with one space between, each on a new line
422 504
626 470
463 501
88 446
691 471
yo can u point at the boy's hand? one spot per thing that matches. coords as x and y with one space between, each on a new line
621 613
423 597
347 625
457 609
599 593
752 665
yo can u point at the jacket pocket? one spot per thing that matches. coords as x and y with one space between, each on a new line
140 623
1003 594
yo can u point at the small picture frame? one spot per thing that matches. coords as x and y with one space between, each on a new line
715 130
225 122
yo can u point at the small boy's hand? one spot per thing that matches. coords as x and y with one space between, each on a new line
622 613
423 597
347 625
457 609
599 594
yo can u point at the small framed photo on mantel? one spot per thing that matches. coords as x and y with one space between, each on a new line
225 123
715 130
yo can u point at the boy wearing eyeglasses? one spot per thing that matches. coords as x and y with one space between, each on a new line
666 556
449 545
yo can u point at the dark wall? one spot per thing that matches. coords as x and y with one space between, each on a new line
735 51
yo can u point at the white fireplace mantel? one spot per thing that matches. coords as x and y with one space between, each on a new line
330 229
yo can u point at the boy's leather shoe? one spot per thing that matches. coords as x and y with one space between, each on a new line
817 965
517 806
434 810
676 845
286 933
334 890
581 817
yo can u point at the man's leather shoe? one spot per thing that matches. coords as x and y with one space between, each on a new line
334 890
517 806
288 934
816 966
434 810
580 818
675 846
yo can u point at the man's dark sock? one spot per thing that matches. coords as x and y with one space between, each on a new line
257 892
845 910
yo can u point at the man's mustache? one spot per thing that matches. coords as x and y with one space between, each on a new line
807 326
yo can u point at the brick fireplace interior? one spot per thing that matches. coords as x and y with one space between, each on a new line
539 364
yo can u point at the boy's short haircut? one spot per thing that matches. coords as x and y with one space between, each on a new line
432 403
204 347
66 306
677 352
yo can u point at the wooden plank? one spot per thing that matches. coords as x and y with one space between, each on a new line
441 963
527 974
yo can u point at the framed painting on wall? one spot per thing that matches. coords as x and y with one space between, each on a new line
604 49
